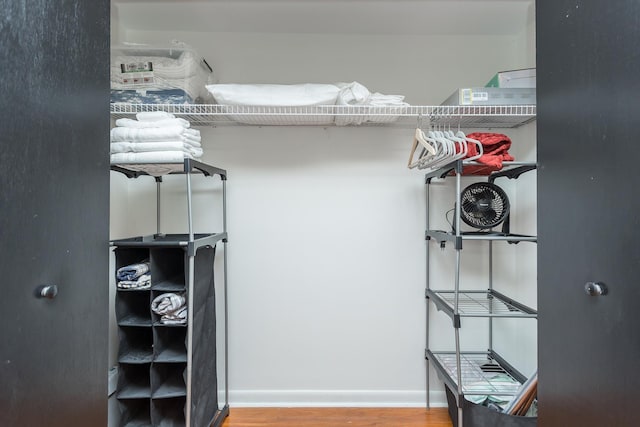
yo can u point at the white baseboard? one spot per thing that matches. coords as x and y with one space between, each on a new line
335 398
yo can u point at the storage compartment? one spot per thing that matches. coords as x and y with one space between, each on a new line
170 345
168 269
136 345
168 380
135 413
481 416
168 412
134 381
128 256
133 308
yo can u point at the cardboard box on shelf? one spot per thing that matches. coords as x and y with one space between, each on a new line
524 78
492 96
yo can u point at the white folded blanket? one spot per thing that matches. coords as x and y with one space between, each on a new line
153 124
307 94
153 116
150 157
356 94
170 133
274 95
379 99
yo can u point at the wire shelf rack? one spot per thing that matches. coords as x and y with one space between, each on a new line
483 373
502 116
480 303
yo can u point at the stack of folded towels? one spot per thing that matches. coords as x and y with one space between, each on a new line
171 308
134 276
155 137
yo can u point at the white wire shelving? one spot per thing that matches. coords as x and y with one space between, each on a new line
502 116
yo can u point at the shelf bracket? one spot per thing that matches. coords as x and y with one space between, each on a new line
512 173
191 249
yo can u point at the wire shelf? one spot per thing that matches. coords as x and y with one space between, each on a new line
501 116
480 304
483 373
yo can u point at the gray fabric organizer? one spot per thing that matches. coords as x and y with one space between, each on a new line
168 373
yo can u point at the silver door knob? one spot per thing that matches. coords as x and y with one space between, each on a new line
47 291
595 289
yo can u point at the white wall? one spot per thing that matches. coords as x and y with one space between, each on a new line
326 225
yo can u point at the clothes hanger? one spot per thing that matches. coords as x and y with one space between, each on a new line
445 153
473 141
420 139
463 148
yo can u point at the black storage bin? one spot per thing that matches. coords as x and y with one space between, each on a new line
481 416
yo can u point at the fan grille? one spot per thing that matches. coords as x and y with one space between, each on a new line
483 205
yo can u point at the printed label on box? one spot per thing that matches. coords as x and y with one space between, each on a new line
468 97
136 67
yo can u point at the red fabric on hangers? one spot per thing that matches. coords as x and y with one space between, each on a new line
495 149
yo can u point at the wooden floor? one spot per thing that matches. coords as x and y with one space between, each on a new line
334 417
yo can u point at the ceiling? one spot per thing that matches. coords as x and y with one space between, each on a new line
406 17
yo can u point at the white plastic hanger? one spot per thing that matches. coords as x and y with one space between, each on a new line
473 141
446 151
420 139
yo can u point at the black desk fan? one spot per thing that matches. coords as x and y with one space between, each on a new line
484 205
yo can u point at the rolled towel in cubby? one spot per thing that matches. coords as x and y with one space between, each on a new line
167 303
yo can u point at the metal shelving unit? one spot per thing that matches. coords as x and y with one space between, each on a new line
489 303
483 373
472 373
502 116
159 367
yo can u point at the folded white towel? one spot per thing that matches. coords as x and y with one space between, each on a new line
143 147
170 133
153 116
150 157
130 123
192 132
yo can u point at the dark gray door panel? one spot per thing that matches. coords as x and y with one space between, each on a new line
54 194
